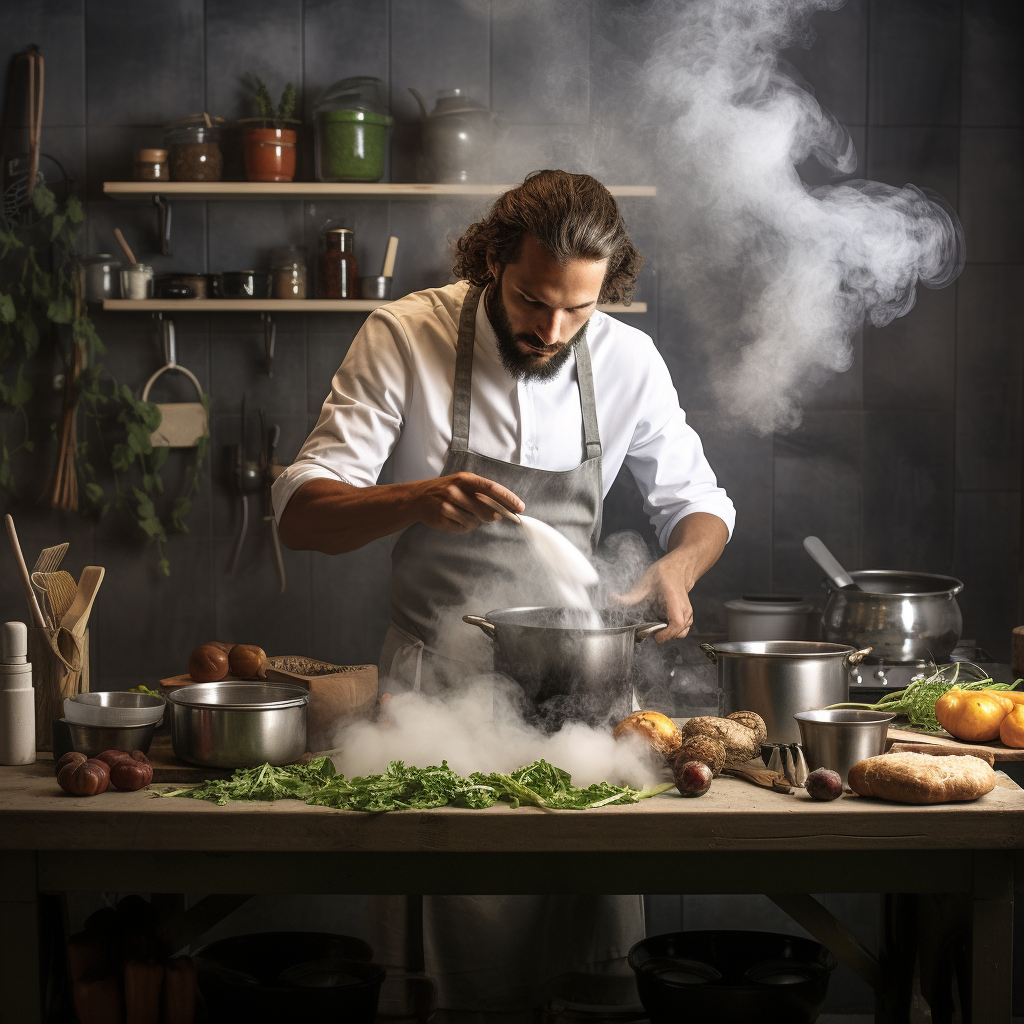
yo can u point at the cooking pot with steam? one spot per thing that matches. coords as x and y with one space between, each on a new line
568 669
902 616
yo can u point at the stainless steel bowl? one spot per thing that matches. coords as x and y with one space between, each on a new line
902 616
778 678
94 739
238 724
567 670
839 739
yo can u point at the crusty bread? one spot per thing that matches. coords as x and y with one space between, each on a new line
921 778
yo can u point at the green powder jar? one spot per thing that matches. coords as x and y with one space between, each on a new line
350 145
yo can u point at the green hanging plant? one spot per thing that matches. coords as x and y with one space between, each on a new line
39 287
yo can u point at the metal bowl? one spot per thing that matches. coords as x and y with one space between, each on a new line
840 738
238 724
114 707
94 739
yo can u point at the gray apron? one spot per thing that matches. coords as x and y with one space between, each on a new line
491 952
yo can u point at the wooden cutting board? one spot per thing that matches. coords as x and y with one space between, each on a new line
1000 751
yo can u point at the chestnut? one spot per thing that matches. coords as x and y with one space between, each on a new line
84 778
71 757
130 774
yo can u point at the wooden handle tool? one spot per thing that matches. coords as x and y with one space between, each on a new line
389 258
26 583
943 750
759 777
76 618
124 245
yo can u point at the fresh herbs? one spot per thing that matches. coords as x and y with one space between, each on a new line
403 787
917 701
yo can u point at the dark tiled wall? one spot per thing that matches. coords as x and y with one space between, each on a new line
912 458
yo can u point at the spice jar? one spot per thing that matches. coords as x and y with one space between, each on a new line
288 274
136 281
338 269
151 165
193 145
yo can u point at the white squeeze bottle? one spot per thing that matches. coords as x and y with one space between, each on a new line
17 698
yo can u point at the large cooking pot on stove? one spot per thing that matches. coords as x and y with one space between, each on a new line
568 669
780 678
902 616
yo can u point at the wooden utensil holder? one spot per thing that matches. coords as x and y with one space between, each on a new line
55 678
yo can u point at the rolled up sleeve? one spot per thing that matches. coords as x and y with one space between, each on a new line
667 459
361 419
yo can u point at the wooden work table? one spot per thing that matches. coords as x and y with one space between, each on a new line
736 839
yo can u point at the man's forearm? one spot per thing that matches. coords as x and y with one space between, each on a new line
696 543
335 517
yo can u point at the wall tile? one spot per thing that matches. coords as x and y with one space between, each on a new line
242 236
342 39
441 45
990 323
622 37
914 62
532 147
993 59
985 556
111 149
908 490
58 28
243 37
138 224
910 363
991 204
813 173
427 231
324 353
835 63
145 61
928 157
843 390
818 473
550 86
238 368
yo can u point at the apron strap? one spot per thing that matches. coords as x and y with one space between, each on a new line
585 377
463 392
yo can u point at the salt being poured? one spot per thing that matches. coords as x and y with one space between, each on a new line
569 568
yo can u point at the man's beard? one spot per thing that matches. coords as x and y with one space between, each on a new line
518 364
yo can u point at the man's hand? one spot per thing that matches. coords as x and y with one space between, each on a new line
696 544
451 502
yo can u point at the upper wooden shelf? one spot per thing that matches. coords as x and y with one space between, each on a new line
281 306
212 190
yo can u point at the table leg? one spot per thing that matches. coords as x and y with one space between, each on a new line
897 950
19 940
991 938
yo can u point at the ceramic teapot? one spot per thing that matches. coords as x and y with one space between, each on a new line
458 138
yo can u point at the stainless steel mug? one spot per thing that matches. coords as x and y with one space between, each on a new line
839 739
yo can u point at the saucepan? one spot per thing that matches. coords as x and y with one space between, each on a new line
568 669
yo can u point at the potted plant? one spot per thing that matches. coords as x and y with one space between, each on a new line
269 141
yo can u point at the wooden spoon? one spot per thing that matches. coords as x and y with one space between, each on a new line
124 245
76 618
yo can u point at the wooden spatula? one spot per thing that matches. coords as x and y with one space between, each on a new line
60 589
76 618
50 558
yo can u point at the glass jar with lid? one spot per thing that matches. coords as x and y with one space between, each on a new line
350 137
193 145
151 165
338 270
288 273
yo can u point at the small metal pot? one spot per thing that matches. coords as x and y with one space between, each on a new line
567 670
238 724
839 739
779 678
772 617
100 277
903 616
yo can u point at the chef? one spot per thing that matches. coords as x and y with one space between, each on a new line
511 387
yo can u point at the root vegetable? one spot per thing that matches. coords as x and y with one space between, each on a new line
71 757
754 722
84 778
692 778
707 749
740 742
656 729
824 784
208 663
248 661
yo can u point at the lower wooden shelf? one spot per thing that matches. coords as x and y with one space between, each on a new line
281 306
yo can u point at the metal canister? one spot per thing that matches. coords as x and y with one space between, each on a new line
779 678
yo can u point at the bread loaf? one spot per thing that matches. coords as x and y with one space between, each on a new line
922 779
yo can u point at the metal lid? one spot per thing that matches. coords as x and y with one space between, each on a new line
781 649
155 156
874 583
240 696
768 604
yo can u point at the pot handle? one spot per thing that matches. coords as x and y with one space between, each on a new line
709 653
856 657
479 620
648 629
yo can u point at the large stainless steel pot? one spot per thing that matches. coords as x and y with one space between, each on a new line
568 670
779 678
902 616
238 725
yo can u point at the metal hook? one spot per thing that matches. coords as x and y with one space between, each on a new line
269 337
163 221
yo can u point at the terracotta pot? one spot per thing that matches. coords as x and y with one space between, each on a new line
269 153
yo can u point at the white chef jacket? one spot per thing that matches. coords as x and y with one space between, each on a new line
392 397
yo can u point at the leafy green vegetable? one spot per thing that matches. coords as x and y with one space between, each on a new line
402 787
917 701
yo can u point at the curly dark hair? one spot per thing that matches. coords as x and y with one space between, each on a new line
573 216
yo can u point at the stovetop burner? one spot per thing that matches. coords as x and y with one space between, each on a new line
872 680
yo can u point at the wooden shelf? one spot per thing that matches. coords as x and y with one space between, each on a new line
280 306
254 190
